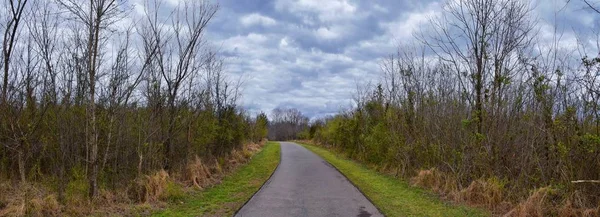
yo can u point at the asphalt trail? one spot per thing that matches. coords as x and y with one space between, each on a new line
306 185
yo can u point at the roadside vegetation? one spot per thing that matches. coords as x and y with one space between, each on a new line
394 197
103 110
232 192
482 113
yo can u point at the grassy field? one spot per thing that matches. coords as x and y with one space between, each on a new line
392 196
237 188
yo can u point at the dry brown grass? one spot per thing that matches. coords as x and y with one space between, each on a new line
27 200
236 157
202 173
47 206
14 206
535 205
149 188
147 192
439 182
577 204
429 179
198 174
489 194
486 193
550 202
255 147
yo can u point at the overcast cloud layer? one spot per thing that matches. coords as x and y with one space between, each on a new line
311 54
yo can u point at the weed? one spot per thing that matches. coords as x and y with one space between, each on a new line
198 174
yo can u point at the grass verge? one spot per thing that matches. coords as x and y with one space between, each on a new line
235 189
392 196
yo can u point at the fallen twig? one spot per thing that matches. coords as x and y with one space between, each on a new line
586 181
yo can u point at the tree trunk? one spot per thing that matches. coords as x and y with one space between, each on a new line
108 139
170 131
93 161
21 162
478 96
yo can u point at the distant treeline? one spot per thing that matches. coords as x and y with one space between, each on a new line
286 124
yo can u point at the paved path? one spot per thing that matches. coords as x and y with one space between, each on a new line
306 185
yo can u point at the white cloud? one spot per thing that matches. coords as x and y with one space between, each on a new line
174 3
257 19
252 42
258 38
402 29
326 10
283 42
326 33
379 8
138 8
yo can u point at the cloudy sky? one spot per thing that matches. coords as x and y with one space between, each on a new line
311 54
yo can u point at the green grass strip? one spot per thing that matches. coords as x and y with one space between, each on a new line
393 197
235 189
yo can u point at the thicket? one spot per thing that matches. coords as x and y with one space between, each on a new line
95 96
481 111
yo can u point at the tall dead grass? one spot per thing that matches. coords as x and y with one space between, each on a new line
490 194
26 199
149 188
200 175
547 201
487 193
535 205
33 199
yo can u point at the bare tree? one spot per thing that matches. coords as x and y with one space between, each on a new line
96 16
482 40
591 5
179 55
11 28
21 112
